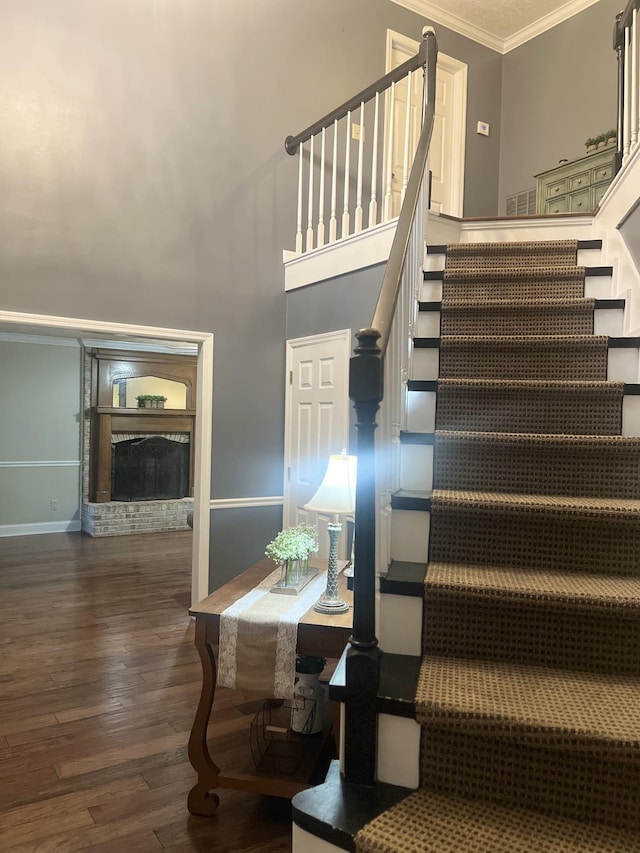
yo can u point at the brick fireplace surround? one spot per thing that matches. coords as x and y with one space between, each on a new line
100 515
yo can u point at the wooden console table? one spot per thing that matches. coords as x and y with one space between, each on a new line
318 634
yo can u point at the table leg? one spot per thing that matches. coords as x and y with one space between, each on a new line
202 800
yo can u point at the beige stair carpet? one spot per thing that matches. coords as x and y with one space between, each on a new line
529 693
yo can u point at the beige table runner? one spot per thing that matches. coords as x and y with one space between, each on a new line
258 635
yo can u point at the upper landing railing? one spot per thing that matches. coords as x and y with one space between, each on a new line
382 351
626 42
354 163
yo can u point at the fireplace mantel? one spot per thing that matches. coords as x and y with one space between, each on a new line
106 419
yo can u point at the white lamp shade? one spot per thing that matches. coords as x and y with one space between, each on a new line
336 493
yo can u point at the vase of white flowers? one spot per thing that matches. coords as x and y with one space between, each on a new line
291 549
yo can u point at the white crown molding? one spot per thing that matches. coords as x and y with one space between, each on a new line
573 7
12 337
140 346
488 39
246 503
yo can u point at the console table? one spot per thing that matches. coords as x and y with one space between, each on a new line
318 634
576 186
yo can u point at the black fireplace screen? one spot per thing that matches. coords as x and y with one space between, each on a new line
147 469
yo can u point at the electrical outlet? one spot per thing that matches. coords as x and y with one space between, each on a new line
357 131
54 504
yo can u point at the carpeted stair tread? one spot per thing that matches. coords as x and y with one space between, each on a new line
535 283
529 405
591 466
580 620
563 709
540 504
579 589
548 253
429 822
550 357
522 316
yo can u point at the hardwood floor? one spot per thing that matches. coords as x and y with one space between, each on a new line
99 682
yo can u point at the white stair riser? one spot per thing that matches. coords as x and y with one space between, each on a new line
398 751
631 415
416 467
623 364
409 535
304 842
400 624
425 363
421 411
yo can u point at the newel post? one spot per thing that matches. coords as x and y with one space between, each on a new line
363 655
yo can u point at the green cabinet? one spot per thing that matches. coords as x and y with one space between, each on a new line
576 186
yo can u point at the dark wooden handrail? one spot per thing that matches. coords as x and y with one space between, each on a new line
292 143
624 18
366 389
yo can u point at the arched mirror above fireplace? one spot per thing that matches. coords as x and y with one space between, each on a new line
142 426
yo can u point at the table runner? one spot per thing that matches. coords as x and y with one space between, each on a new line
258 635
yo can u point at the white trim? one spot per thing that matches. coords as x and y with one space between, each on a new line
511 228
136 346
573 7
204 409
356 252
246 503
34 528
10 337
478 34
42 463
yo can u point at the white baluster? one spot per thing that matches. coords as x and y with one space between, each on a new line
333 222
358 222
388 207
626 112
310 200
299 223
347 158
634 80
407 129
321 194
373 203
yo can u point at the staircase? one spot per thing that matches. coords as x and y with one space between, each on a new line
519 687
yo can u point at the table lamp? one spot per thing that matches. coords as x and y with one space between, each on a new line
336 496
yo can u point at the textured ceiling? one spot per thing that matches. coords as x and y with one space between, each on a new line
500 24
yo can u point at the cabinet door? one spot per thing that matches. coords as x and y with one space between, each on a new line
557 205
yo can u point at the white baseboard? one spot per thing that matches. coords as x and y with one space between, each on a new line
69 526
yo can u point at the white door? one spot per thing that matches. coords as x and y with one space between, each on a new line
316 419
446 156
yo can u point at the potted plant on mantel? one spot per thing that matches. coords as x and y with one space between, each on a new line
151 401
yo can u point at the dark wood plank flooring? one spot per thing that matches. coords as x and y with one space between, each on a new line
99 682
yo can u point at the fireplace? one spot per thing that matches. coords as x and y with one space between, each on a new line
139 462
147 468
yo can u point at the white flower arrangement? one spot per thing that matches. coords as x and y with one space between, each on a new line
294 543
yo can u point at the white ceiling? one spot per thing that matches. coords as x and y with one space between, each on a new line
498 24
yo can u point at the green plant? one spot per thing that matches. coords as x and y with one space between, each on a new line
591 141
157 397
293 543
310 664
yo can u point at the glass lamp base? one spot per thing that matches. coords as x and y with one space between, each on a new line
326 605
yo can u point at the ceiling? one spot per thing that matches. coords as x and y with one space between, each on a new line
499 24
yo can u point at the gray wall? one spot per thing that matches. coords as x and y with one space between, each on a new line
39 422
557 90
143 178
